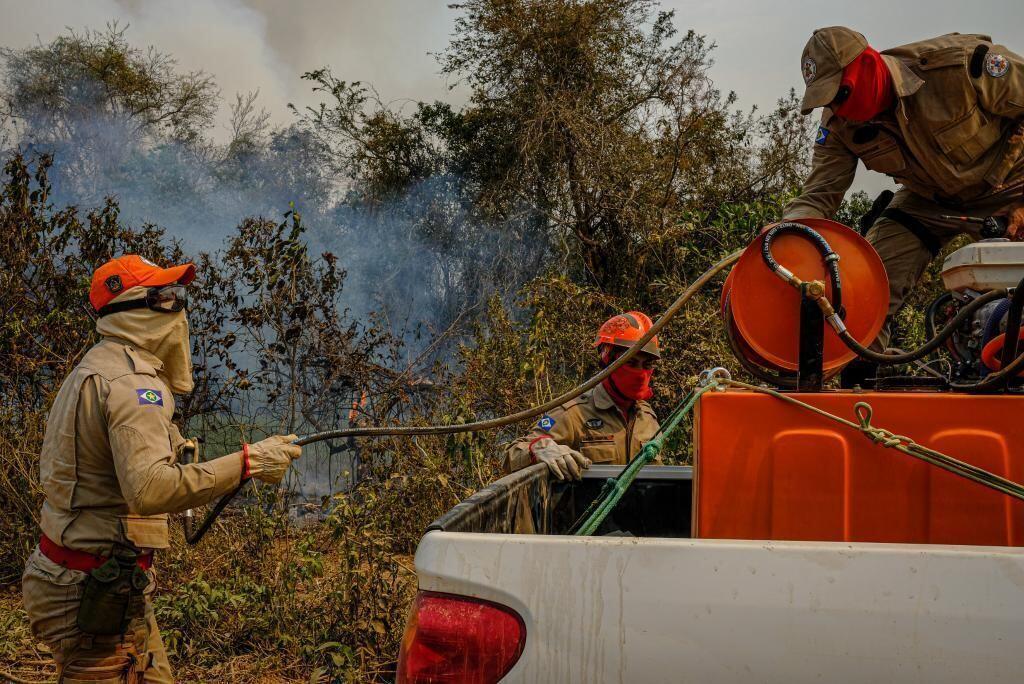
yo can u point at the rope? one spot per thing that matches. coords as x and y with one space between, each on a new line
614 488
886 438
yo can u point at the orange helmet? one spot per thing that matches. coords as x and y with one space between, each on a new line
132 270
625 329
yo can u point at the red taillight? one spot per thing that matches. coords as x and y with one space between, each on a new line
459 639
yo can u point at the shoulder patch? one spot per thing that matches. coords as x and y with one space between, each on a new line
546 423
996 65
150 397
595 423
822 137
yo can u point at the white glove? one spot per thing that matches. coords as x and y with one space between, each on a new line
269 460
561 460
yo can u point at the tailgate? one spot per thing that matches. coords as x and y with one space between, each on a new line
670 610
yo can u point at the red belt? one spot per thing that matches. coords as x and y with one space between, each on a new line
80 560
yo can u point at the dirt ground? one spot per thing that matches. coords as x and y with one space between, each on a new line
23 660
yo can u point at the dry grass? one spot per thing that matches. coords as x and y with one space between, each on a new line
205 658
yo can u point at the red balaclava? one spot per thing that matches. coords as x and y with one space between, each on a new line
627 384
870 84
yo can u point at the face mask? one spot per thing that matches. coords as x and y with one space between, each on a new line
164 335
869 84
633 383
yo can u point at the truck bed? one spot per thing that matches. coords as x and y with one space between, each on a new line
642 602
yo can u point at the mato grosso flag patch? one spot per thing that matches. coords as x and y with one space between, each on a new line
150 397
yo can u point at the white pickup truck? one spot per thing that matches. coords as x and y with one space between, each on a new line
506 595
909 565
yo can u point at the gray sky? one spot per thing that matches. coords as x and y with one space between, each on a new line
267 44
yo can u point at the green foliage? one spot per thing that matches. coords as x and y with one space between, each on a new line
62 85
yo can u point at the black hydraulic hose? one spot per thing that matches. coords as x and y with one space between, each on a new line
1013 325
830 258
933 309
501 421
198 533
932 344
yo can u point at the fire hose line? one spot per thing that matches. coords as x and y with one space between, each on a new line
493 423
719 378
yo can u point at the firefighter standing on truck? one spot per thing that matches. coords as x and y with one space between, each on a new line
110 476
608 424
944 117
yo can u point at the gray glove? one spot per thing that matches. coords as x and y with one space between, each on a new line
563 461
269 459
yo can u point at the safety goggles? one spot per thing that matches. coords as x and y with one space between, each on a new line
841 96
167 299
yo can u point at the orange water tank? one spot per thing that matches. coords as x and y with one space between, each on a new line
765 469
764 311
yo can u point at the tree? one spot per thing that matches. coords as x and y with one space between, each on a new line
63 90
599 118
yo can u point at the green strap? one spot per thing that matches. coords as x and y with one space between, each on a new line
615 487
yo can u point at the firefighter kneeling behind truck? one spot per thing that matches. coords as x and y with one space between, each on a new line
608 424
110 473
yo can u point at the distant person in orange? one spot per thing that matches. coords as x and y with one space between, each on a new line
609 424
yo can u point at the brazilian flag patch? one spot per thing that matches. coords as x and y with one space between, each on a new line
150 397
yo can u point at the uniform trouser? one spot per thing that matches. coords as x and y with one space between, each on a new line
52 593
905 255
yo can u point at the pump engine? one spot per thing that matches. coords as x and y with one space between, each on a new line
968 273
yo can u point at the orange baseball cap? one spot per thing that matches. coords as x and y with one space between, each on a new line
131 270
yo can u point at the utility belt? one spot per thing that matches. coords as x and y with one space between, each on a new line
82 560
114 590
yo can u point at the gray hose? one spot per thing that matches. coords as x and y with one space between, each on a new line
491 423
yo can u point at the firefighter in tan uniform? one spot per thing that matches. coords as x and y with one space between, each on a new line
610 423
110 476
943 117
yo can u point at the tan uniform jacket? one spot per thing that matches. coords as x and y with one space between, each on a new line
109 458
951 136
592 425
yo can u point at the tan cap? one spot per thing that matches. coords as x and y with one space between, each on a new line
825 56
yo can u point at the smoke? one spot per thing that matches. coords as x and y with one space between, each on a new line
418 263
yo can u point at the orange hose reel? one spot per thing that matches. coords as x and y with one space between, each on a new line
763 312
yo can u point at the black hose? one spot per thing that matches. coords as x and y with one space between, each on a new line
193 538
830 258
932 310
932 344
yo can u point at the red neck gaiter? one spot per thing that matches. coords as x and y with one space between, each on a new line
870 84
630 384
